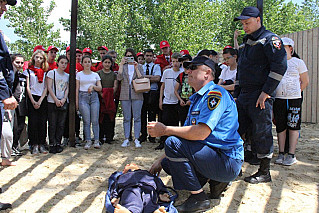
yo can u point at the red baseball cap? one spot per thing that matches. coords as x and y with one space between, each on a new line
52 48
67 49
103 48
164 44
87 50
78 51
228 47
140 53
184 52
39 47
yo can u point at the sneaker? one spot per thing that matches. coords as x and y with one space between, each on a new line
43 150
96 144
289 160
65 142
88 144
125 143
280 159
137 143
35 150
16 152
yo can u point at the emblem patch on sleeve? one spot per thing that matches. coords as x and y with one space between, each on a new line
193 121
276 42
213 102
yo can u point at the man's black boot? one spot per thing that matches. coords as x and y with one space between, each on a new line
195 203
217 188
4 206
263 173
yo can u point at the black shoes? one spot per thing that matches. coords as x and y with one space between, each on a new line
4 206
258 177
142 139
192 205
160 146
152 140
217 188
55 149
263 173
16 152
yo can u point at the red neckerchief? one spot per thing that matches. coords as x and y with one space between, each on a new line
38 72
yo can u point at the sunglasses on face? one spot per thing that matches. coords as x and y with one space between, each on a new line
192 66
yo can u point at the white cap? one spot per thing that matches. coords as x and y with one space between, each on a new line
288 41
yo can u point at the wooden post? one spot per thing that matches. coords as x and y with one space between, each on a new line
260 7
72 111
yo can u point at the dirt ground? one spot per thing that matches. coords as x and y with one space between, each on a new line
76 180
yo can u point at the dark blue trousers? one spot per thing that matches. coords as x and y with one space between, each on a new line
258 120
192 163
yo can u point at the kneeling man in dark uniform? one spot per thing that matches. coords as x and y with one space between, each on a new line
208 148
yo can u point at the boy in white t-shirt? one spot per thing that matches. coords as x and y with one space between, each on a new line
228 75
168 101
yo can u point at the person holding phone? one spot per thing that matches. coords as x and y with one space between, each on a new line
130 100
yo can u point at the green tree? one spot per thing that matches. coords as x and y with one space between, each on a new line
186 24
30 23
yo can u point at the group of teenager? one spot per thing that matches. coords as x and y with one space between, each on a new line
198 92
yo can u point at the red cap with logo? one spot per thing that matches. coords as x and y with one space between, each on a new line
52 48
103 48
184 52
67 49
140 53
39 47
87 50
228 47
164 44
78 51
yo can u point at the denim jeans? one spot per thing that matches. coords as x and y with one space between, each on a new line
89 107
128 107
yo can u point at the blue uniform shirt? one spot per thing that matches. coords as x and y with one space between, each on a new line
214 106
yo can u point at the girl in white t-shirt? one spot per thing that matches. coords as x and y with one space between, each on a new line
227 77
287 105
88 83
37 104
58 87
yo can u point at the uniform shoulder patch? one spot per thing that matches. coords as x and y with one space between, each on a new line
213 102
276 42
214 92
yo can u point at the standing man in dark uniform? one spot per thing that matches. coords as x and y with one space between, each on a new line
208 147
6 79
262 64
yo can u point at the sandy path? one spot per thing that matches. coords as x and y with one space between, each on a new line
76 179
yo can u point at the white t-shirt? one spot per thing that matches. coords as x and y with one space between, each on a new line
35 87
228 74
87 80
130 72
61 83
169 78
289 86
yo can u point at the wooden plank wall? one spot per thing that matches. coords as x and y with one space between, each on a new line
307 47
